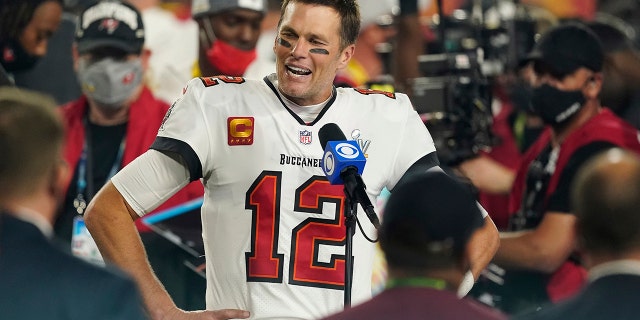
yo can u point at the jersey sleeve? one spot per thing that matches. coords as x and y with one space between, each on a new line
184 130
414 143
149 180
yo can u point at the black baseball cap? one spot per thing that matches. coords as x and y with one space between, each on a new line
565 48
441 207
110 24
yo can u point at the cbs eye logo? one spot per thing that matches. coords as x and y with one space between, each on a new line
328 161
344 150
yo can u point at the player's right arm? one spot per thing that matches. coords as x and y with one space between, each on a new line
110 218
141 187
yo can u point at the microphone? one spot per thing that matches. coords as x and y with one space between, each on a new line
343 162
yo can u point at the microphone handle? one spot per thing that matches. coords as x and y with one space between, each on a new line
355 189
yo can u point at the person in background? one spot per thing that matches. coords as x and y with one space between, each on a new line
37 279
408 45
605 200
113 122
255 145
173 43
621 68
368 65
25 29
228 34
428 222
265 62
58 61
539 249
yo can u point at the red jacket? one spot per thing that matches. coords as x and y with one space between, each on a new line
145 117
605 127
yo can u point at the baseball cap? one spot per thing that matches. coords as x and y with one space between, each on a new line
110 24
433 203
209 7
566 47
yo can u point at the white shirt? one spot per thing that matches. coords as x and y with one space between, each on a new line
631 267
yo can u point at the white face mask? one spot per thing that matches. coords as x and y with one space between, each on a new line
110 83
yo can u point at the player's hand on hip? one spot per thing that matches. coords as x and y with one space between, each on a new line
225 314
222 314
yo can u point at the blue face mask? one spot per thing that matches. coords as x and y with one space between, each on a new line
556 106
108 82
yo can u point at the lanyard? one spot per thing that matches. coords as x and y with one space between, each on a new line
85 172
438 284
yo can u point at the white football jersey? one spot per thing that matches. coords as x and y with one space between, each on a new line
273 226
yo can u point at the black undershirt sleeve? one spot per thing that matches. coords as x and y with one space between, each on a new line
164 144
560 200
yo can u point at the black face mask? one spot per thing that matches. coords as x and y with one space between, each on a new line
556 106
14 58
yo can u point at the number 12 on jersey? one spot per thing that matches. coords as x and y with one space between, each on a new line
265 264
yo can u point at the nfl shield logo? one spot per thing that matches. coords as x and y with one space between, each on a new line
305 137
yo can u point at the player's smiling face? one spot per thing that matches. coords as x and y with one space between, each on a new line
309 53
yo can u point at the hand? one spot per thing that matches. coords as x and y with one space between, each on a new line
222 314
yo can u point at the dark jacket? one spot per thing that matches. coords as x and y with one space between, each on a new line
607 298
39 281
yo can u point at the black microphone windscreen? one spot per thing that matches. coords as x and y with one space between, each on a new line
330 132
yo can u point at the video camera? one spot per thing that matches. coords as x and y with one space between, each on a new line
454 95
454 104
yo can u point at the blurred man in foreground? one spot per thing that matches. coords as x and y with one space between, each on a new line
37 280
428 223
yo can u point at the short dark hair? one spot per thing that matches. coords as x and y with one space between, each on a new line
15 15
348 10
606 202
31 136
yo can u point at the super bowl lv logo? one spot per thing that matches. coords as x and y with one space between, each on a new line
305 136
